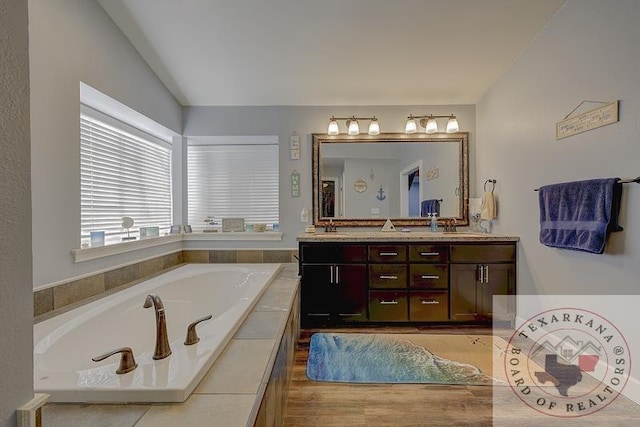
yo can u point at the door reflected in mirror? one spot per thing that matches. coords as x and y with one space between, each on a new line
363 180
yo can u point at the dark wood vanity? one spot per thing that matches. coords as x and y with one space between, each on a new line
377 278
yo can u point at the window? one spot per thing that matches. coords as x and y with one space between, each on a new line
124 172
233 177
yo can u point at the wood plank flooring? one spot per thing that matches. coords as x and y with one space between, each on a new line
312 403
329 404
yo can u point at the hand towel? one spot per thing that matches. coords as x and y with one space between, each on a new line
430 206
579 215
488 210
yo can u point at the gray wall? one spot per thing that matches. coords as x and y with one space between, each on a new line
588 51
16 308
72 41
305 120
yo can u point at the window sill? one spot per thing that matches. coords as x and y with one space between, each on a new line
234 236
87 254
80 255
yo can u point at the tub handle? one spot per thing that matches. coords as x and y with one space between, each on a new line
127 362
192 336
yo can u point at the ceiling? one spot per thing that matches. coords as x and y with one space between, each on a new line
329 52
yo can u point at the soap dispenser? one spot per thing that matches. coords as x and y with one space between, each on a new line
434 222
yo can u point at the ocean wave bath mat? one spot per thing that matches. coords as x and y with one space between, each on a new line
401 358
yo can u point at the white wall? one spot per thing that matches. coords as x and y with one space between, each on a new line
588 51
16 300
72 41
305 120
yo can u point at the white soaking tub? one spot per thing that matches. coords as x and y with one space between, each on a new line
64 345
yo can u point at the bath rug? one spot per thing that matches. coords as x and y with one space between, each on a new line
406 358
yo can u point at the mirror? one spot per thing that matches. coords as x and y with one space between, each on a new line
362 180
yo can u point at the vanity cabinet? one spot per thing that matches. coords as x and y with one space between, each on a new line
406 281
478 272
334 284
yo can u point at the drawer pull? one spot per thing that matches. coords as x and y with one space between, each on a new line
387 276
318 314
429 301
350 314
430 277
392 302
388 253
429 253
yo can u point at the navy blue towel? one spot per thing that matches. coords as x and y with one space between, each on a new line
579 215
430 206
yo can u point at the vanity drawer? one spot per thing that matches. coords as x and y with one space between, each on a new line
483 253
388 306
437 254
388 253
428 306
429 276
389 276
333 253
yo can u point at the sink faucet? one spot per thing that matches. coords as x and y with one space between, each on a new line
162 342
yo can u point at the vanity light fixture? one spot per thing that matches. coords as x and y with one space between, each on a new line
430 124
353 128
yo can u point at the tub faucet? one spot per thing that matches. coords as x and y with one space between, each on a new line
162 342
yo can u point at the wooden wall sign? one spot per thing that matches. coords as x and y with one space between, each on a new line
593 119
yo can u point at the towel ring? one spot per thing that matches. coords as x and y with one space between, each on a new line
493 185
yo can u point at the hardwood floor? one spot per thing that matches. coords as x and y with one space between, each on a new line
330 404
312 403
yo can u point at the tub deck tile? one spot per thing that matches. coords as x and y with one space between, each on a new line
82 415
239 369
261 325
228 410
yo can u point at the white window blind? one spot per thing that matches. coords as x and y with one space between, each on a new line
124 172
233 181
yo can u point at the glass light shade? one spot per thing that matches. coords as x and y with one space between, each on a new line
333 127
411 126
374 127
452 125
354 128
432 126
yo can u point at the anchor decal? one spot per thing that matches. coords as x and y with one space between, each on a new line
381 195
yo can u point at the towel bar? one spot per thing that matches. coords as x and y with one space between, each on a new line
621 181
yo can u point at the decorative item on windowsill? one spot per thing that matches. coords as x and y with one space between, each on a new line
127 223
209 228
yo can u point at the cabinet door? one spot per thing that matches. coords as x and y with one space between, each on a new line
317 292
463 292
498 280
351 288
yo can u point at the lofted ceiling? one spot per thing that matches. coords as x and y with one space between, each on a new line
329 52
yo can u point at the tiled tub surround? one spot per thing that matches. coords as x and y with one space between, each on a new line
247 385
47 302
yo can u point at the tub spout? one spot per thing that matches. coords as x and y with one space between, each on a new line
162 341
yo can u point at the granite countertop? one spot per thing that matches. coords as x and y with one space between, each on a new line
399 236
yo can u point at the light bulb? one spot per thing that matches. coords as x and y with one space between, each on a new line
374 127
354 128
452 125
432 126
411 126
333 127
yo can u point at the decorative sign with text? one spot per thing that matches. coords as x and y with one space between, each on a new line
589 120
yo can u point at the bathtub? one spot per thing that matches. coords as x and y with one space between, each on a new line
65 344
